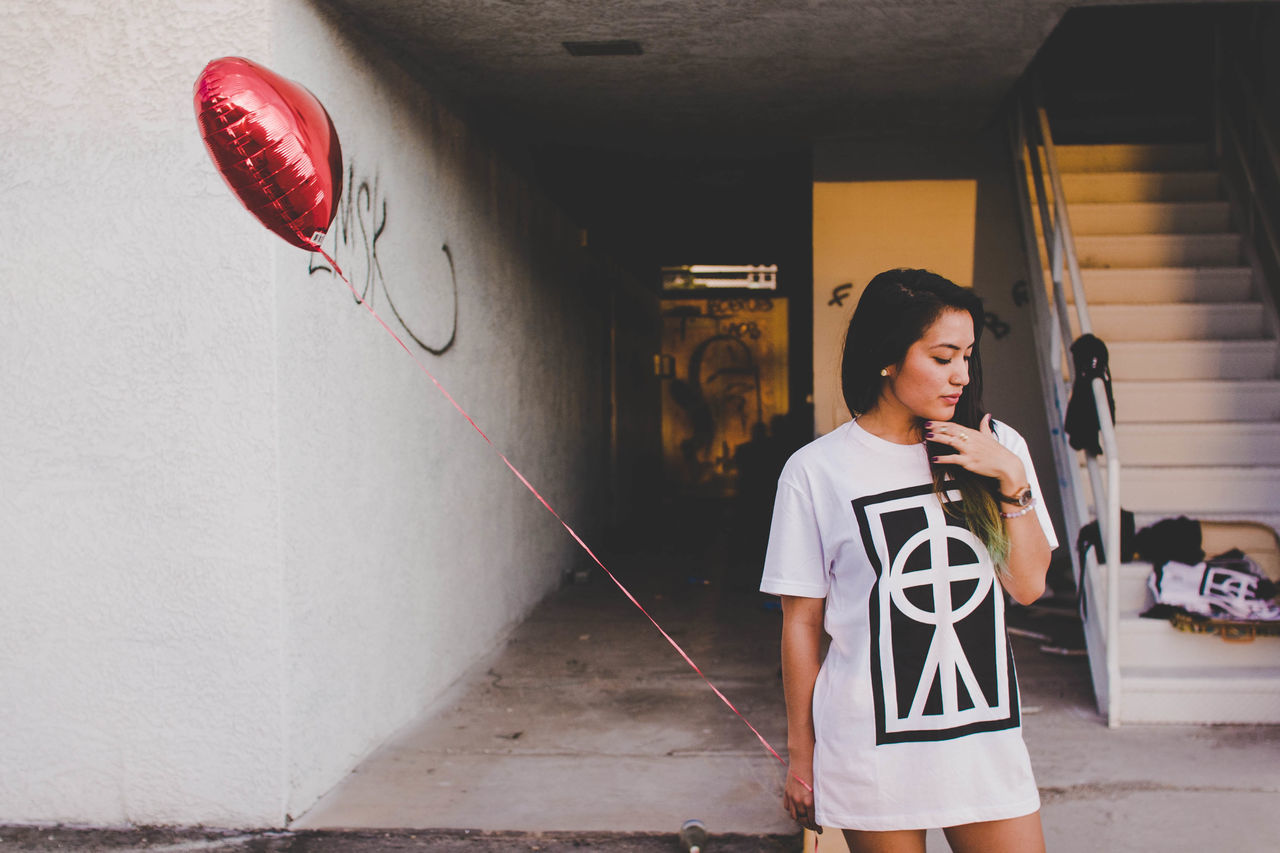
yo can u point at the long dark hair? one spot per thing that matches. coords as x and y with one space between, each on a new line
893 313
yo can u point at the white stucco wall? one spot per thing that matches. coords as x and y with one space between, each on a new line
408 545
140 616
242 539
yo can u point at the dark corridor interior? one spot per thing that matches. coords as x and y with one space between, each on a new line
701 415
710 389
1141 74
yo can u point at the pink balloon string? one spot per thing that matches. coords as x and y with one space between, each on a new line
550 509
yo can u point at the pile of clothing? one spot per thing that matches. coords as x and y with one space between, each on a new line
1228 586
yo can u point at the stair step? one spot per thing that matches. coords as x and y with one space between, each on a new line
1155 644
1162 444
1172 322
1216 359
1195 491
1134 595
1133 158
1199 694
1198 400
1135 598
1164 284
1086 187
1148 217
1141 251
1271 519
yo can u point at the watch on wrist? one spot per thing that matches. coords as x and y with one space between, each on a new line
1021 498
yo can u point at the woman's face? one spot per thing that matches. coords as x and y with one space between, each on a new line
935 369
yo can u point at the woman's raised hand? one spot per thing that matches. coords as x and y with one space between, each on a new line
977 450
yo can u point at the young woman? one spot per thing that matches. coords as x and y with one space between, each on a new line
896 533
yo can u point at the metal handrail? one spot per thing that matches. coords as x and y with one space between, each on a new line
1054 342
1257 212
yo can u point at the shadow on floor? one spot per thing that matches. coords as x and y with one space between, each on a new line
588 720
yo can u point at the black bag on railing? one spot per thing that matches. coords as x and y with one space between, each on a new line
1090 536
1090 356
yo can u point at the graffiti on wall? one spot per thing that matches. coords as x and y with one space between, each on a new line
1021 296
729 386
999 328
360 222
839 294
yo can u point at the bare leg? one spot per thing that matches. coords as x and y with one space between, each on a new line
897 841
1015 835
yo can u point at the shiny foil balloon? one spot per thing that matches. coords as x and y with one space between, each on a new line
275 146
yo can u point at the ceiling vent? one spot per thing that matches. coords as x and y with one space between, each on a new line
617 47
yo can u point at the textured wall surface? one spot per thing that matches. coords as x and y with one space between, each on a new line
140 625
409 549
242 538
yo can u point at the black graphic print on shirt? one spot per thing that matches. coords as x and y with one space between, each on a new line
941 667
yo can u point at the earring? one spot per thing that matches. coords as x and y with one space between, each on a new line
884 371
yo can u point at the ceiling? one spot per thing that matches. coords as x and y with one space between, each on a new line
728 73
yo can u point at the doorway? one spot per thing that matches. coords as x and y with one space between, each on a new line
725 394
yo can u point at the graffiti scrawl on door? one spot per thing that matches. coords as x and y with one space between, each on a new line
729 387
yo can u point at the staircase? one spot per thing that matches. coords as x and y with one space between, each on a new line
1193 348
1194 353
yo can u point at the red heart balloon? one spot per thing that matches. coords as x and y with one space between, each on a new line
275 146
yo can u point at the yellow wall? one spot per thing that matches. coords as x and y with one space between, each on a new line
861 228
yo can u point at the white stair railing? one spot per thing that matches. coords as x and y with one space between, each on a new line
1034 153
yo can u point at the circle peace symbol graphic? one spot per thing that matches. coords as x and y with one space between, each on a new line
940 575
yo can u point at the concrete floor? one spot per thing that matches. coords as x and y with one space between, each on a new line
585 731
586 720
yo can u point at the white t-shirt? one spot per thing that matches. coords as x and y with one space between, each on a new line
916 705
